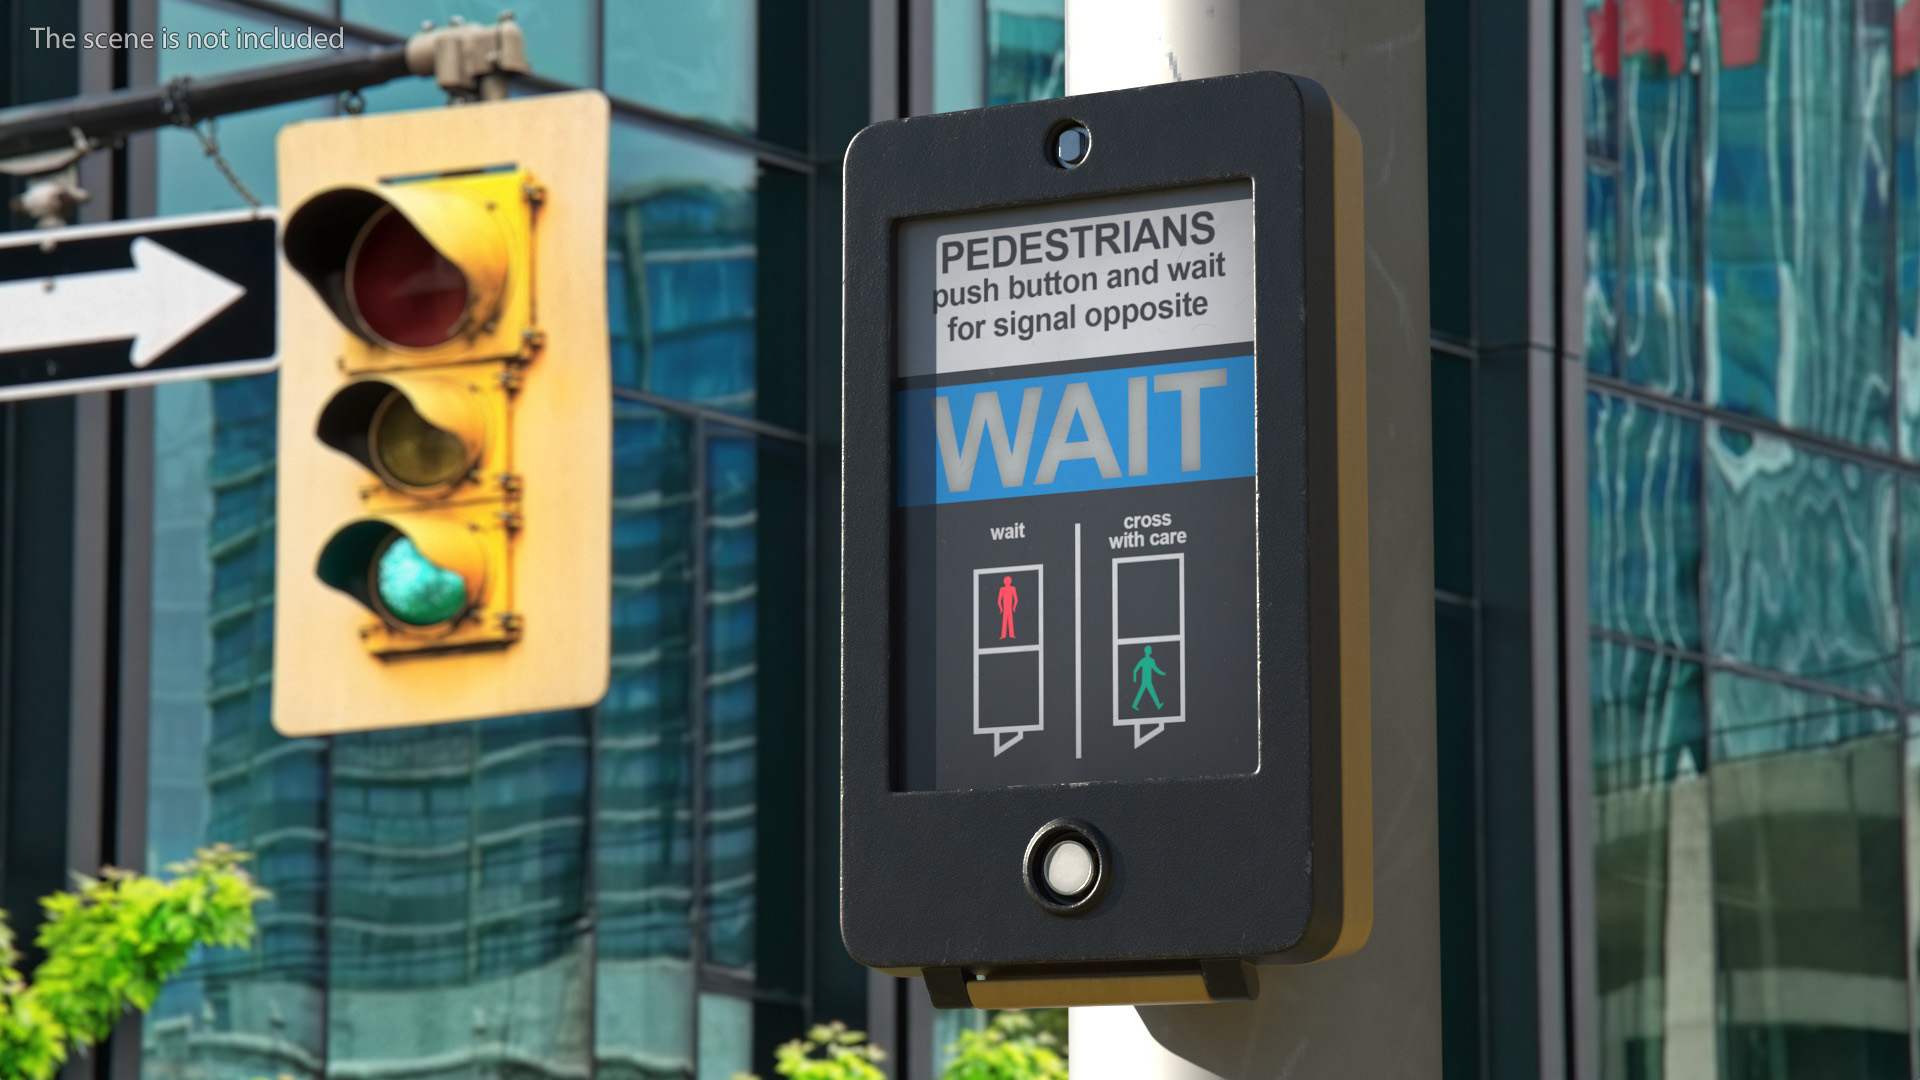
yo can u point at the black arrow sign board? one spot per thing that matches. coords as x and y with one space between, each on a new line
132 303
1105 546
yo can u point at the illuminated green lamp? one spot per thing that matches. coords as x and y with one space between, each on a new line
417 572
415 590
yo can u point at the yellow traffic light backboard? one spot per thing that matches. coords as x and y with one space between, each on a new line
443 542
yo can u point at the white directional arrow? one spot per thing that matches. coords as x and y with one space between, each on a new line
158 302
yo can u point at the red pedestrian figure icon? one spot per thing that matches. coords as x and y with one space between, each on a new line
1008 600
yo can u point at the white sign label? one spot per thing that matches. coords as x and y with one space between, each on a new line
1137 281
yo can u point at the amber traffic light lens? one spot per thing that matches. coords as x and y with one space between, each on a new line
403 290
409 450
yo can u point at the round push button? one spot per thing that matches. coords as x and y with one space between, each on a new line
1069 868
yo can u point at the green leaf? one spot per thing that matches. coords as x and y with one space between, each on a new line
110 945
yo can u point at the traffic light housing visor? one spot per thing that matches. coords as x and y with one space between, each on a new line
405 266
420 434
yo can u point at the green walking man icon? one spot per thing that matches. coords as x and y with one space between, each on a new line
1143 673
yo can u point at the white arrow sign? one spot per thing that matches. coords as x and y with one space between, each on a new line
160 300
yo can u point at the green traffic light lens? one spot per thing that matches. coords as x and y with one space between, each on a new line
411 450
413 589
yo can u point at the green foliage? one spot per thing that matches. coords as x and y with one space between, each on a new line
829 1052
1017 1045
1049 1027
109 946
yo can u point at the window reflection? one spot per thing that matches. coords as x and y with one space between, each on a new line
732 696
1643 521
681 269
1652 894
726 1025
695 59
1026 50
224 774
1601 294
1906 180
1807 881
1798 220
643 855
1748 852
997 52
455 893
1910 586
1600 66
1801 561
1660 170
545 896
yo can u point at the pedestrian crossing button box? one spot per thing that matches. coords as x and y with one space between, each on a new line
1104 546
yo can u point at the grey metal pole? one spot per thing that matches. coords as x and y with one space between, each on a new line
1376 1013
107 118
467 59
1114 44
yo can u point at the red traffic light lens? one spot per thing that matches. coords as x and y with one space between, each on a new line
403 290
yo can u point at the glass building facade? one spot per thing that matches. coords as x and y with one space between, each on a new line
1753 506
644 890
996 52
638 890
621 892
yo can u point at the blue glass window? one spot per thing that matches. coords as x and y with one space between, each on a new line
682 265
1801 561
1651 870
1026 50
1601 294
1807 880
996 52
550 894
1798 223
1659 171
1643 521
696 59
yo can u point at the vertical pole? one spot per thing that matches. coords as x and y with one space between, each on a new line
1375 1013
1114 44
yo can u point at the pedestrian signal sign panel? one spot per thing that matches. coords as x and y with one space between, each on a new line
1105 547
1074 446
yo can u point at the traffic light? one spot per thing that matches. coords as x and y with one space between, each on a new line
443 541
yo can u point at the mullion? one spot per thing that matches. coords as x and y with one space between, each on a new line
1483 918
692 410
590 892
1744 670
697 727
1753 425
